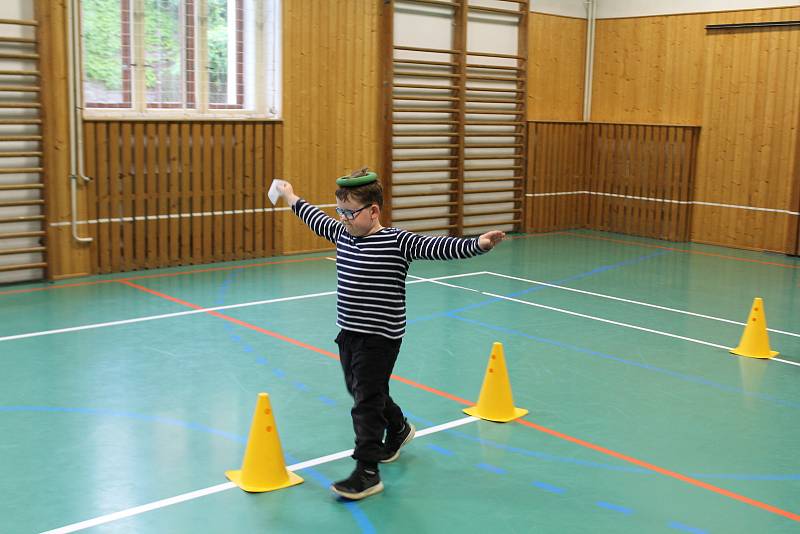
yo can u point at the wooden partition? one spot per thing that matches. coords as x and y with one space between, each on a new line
628 178
742 86
178 193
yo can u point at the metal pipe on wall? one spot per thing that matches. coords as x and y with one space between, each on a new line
591 17
75 119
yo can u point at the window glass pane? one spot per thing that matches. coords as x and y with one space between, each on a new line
106 36
163 52
225 57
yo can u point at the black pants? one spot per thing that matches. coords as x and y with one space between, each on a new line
367 361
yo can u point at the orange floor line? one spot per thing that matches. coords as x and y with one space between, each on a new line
554 433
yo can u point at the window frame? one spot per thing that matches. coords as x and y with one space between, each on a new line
266 89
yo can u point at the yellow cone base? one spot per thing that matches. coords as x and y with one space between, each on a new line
755 340
236 478
496 403
263 468
516 413
740 352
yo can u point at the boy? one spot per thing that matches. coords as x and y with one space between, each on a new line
371 266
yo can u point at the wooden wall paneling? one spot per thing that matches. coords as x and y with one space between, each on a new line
649 69
247 197
626 187
174 195
638 187
127 202
276 169
114 198
533 162
572 181
606 170
559 179
139 186
162 189
240 192
618 184
187 197
261 219
670 70
556 64
200 170
646 225
544 179
217 252
591 174
102 206
92 191
793 221
216 204
667 185
653 142
152 200
331 109
228 192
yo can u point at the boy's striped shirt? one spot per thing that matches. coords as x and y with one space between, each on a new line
371 270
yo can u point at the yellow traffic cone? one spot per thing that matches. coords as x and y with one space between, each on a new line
496 402
755 340
263 468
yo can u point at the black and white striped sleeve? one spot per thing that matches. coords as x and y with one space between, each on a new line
315 218
423 247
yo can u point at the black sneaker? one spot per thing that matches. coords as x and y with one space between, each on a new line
395 442
361 483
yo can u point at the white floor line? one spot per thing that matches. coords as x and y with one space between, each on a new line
101 520
609 321
203 310
665 308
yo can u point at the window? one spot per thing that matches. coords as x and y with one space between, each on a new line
185 57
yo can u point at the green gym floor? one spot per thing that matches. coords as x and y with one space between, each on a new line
125 398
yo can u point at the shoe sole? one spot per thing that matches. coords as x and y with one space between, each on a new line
396 455
377 488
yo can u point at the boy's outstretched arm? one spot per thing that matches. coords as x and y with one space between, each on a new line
320 223
425 247
488 240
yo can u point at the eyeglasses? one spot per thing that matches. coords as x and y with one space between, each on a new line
349 215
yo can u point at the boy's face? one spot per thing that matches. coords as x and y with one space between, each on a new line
363 221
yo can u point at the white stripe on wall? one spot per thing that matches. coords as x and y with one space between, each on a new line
181 215
663 200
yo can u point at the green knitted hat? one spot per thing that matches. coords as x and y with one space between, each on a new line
360 177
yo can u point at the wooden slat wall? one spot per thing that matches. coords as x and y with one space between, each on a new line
331 103
557 159
748 146
456 117
627 178
793 238
179 193
556 65
741 87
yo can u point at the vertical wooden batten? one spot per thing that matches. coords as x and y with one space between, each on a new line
66 257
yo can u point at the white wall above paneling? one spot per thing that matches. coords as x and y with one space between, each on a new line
565 8
607 9
16 9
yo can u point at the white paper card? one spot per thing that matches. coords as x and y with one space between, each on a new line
273 193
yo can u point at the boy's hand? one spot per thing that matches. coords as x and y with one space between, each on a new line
287 192
488 240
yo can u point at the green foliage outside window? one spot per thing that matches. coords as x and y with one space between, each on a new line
102 42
